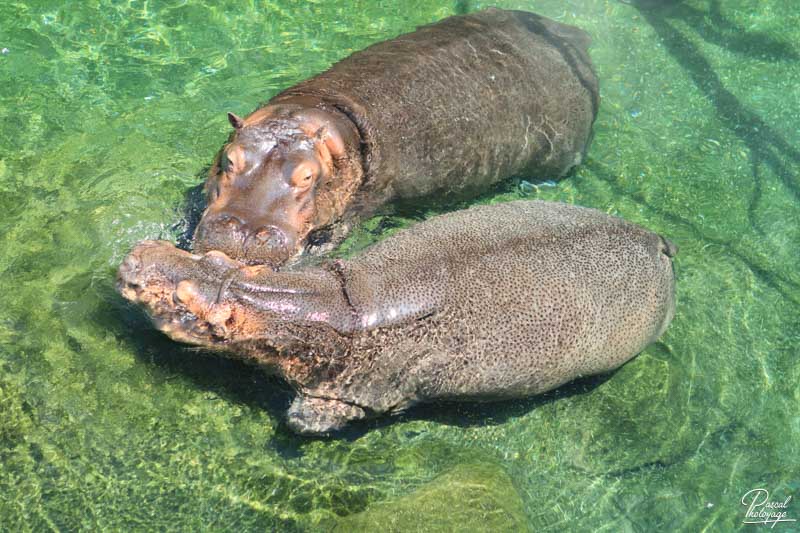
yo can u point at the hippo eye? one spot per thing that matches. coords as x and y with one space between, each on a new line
305 179
303 176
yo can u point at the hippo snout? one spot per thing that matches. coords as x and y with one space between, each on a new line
250 243
147 260
225 222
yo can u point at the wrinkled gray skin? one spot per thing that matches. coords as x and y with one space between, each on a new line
492 302
446 111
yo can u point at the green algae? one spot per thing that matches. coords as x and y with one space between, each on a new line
111 110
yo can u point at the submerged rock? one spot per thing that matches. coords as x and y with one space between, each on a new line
479 495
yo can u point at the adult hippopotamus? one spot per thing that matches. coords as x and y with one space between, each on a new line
491 302
447 110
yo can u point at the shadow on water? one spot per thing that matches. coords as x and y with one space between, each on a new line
194 202
463 414
226 379
713 27
767 146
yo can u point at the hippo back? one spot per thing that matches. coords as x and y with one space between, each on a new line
463 103
504 301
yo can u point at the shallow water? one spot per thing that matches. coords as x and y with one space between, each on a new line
111 110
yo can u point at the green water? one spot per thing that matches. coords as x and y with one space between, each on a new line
111 110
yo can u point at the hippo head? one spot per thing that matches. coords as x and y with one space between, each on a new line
286 171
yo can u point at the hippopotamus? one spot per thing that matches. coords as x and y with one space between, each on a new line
492 302
446 112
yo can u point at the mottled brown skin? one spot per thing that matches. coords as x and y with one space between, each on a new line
448 110
492 302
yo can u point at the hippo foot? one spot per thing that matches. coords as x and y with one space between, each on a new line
320 416
182 292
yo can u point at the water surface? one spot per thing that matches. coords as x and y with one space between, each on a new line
111 110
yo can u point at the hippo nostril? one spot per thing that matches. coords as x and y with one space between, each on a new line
269 236
185 292
263 235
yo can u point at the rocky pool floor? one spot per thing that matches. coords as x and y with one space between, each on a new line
110 112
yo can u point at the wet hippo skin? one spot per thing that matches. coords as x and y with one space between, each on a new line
491 302
446 112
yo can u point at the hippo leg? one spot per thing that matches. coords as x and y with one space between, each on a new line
319 416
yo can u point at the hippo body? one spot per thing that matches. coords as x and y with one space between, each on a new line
448 110
492 302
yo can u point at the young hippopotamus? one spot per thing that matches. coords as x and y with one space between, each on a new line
492 302
447 110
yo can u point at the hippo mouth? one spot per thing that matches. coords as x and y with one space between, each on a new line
183 292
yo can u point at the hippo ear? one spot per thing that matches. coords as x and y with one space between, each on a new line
333 141
236 121
336 133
